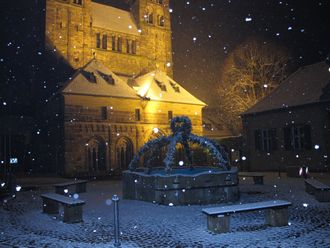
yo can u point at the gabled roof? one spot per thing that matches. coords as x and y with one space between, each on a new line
157 86
108 17
309 84
97 79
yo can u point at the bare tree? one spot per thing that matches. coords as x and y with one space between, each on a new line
249 73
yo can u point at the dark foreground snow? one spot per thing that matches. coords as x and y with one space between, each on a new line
142 224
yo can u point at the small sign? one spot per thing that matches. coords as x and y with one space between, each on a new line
13 160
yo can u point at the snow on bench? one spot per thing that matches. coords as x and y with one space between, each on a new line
258 177
62 188
72 207
218 218
320 190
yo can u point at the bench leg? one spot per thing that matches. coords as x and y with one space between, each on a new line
322 195
258 180
50 206
218 223
72 214
277 217
81 188
309 189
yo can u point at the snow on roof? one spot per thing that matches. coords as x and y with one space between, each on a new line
108 17
307 85
97 79
158 86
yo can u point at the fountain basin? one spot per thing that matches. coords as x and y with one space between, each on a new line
201 185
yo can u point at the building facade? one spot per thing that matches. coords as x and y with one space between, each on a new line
291 126
122 93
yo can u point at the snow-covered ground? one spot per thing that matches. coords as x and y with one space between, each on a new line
143 224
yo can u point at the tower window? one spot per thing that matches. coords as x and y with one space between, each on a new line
137 115
128 46
149 18
119 44
113 40
161 21
104 41
133 46
98 40
79 2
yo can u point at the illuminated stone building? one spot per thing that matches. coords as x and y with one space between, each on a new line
122 93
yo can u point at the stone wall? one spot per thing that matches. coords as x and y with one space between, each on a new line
84 122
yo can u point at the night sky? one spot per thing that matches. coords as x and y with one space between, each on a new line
204 32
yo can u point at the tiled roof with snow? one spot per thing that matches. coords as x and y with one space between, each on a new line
111 18
97 79
157 86
309 84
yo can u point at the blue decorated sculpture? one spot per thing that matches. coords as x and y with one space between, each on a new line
181 133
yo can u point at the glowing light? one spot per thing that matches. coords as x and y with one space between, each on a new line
155 130
76 196
181 163
66 191
317 147
168 64
265 86
305 205
18 188
243 158
171 204
130 26
297 156
170 10
139 30
248 19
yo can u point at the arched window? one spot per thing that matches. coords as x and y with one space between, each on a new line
161 21
79 2
124 152
149 17
96 155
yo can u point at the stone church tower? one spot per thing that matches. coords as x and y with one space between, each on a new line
128 42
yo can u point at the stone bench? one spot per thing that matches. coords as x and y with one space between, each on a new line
72 207
80 187
258 178
218 218
320 190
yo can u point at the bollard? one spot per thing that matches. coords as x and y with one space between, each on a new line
115 200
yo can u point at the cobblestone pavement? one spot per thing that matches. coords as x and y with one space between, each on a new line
142 224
